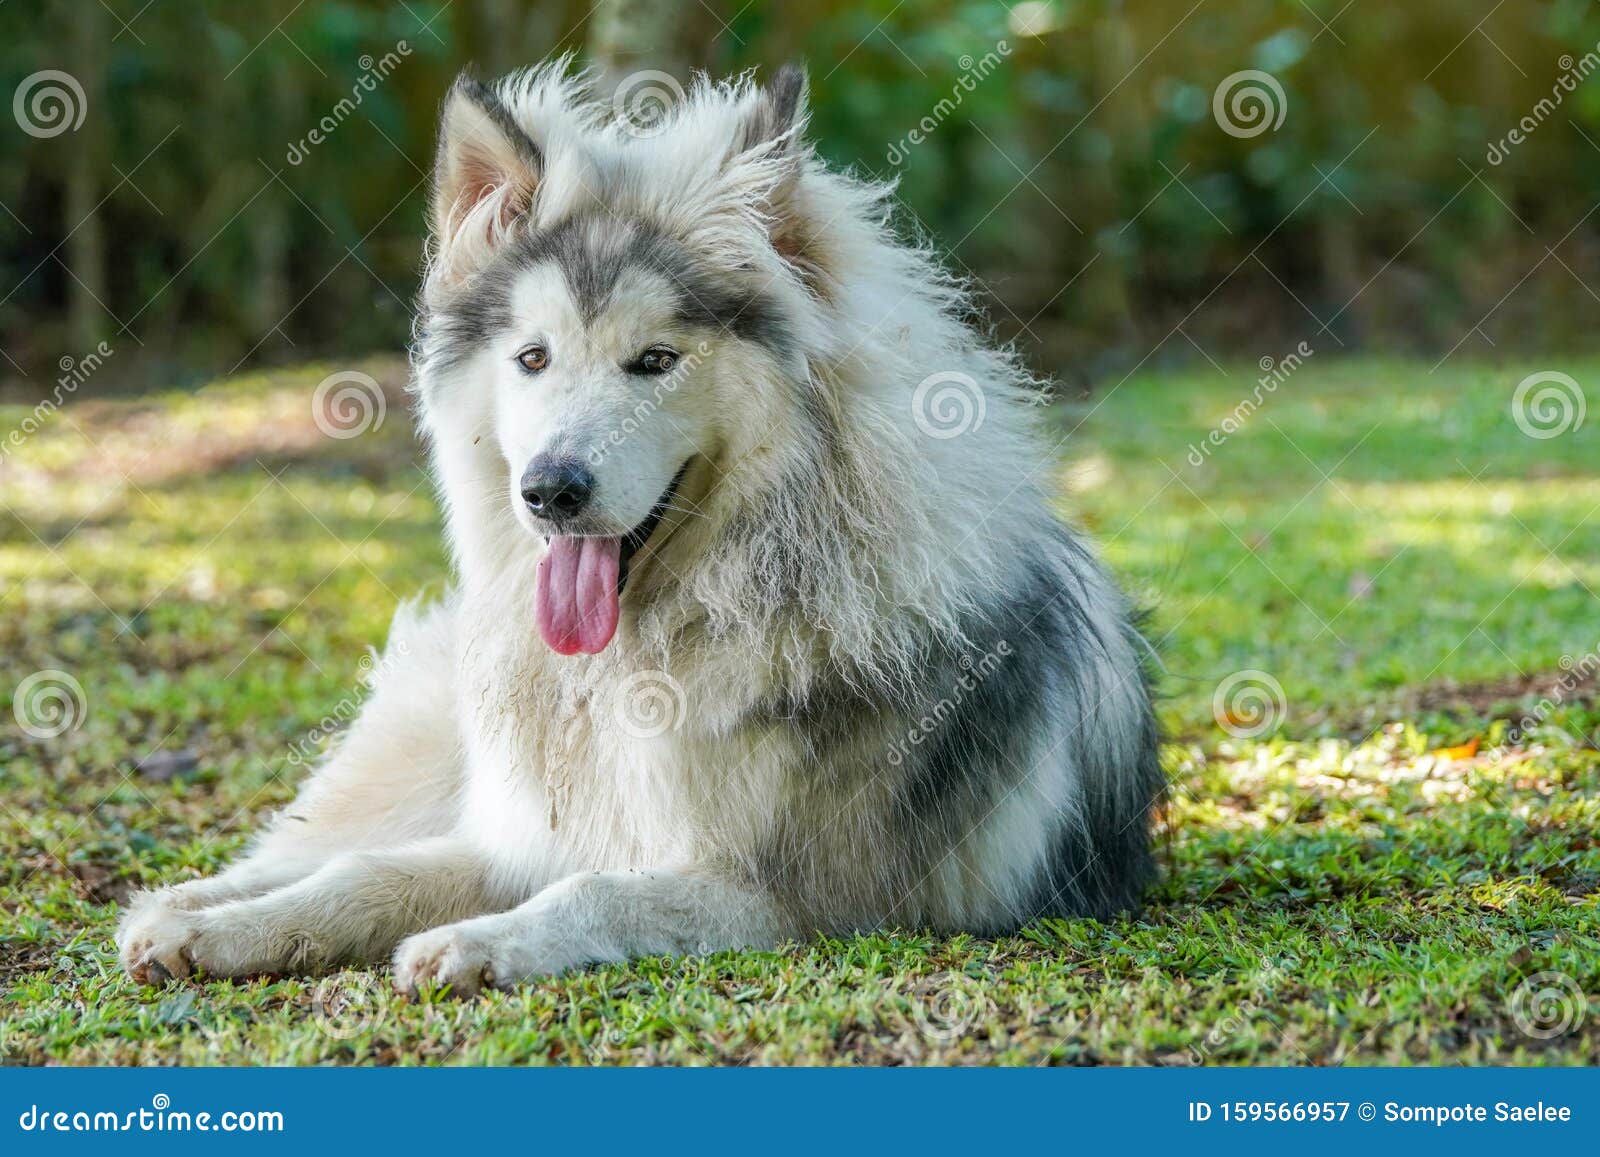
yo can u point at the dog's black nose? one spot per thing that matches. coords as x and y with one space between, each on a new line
556 488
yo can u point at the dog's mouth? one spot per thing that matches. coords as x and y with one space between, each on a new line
578 600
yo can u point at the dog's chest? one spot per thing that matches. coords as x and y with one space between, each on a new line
608 761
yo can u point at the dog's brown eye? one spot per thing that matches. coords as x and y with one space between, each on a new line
655 360
534 358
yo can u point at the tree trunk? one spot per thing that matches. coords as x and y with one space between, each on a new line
85 247
271 225
629 36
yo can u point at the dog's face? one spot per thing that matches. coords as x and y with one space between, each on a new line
597 403
589 351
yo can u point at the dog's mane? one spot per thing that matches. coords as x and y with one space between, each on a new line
859 541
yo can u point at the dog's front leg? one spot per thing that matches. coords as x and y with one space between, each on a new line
590 918
354 909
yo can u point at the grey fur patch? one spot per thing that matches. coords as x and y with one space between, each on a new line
593 252
989 720
454 331
984 698
1028 685
1102 866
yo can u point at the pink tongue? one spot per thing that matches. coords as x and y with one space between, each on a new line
576 601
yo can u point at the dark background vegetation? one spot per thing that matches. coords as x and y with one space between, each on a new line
1084 182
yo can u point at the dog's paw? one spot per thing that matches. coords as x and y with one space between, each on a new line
156 940
159 941
453 955
488 952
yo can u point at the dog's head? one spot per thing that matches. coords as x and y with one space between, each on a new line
608 315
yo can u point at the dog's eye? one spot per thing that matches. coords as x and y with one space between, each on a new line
534 358
658 359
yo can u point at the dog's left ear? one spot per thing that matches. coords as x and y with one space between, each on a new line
777 116
485 177
769 145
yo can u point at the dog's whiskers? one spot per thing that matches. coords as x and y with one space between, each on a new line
691 512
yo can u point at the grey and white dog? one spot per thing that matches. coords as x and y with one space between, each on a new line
763 625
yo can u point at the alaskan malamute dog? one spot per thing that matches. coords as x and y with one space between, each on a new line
763 625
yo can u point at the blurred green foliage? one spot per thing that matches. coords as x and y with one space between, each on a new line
1065 153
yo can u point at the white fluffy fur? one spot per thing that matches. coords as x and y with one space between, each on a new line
488 820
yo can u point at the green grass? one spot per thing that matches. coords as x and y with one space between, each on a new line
1358 884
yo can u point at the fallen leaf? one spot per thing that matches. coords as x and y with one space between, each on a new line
102 885
1461 751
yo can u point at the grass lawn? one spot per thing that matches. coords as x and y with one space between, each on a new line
1387 873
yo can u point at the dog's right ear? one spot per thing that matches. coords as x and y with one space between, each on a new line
486 174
